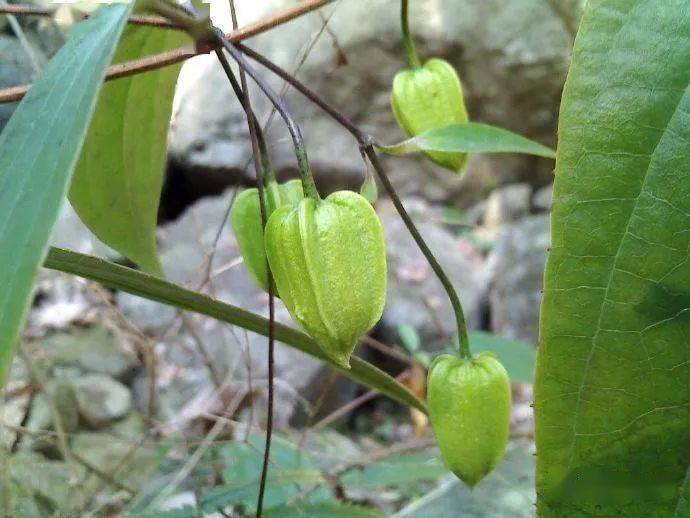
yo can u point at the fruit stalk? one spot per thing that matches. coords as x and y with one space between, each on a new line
410 50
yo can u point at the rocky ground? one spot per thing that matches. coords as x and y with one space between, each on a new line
114 366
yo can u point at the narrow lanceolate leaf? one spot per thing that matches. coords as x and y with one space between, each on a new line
612 398
152 288
471 137
119 177
38 150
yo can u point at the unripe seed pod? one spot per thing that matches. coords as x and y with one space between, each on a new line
469 408
245 218
328 260
427 98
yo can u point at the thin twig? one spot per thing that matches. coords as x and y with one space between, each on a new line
95 488
103 475
306 176
40 381
203 352
5 475
143 344
164 59
387 350
214 246
208 441
300 63
19 32
366 143
352 405
340 118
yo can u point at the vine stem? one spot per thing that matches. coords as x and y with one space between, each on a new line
410 50
298 141
433 262
366 143
255 127
261 160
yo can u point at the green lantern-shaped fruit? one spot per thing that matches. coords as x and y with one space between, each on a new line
246 222
430 97
469 408
328 261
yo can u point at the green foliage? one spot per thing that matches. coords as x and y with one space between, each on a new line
299 480
293 476
186 511
402 470
38 150
152 288
326 509
507 492
470 137
516 356
119 177
409 337
412 342
612 391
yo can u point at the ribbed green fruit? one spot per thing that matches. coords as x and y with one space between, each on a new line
430 97
469 408
245 218
328 261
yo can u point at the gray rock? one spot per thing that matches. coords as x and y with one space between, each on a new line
510 78
543 198
93 349
54 483
518 267
415 296
13 412
506 204
63 396
105 451
102 399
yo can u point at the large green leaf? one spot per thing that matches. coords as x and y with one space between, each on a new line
117 184
613 372
152 288
38 150
470 137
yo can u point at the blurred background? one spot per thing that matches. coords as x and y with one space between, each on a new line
165 410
